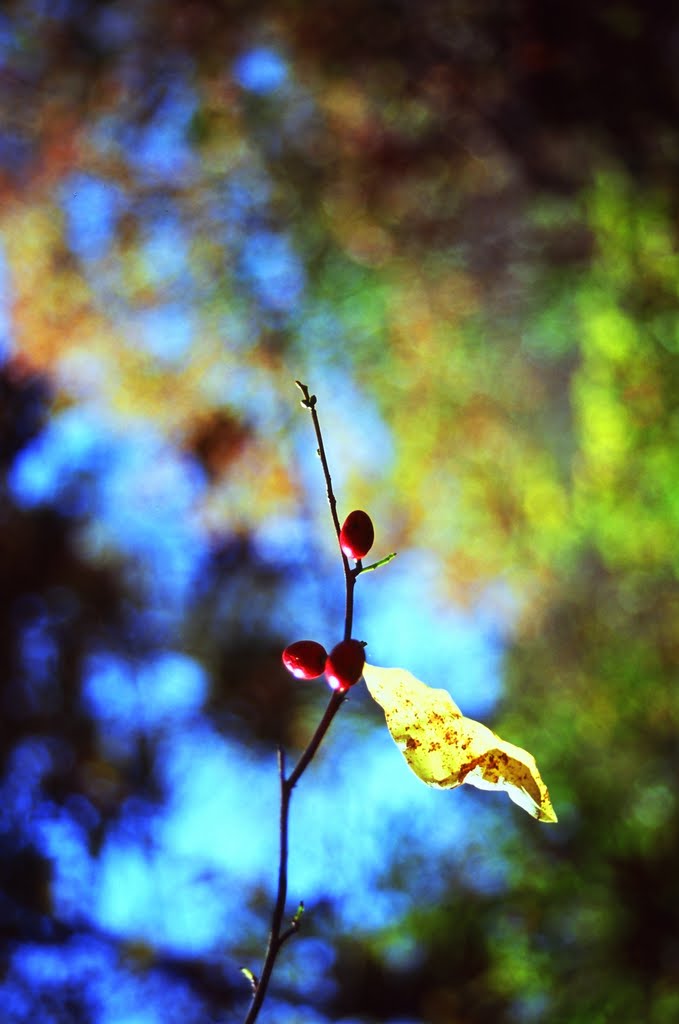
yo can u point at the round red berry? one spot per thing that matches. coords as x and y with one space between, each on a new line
305 659
357 534
344 666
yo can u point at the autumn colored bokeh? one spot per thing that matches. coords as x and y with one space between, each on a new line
458 225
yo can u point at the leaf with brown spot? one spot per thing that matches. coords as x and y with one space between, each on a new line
445 749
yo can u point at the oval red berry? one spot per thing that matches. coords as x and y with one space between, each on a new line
344 666
305 659
357 534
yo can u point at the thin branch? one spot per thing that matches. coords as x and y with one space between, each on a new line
333 707
309 402
279 906
276 936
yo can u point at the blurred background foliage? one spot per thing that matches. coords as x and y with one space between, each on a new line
458 224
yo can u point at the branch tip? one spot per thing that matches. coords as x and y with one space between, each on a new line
309 401
252 978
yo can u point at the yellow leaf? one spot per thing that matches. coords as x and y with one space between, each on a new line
445 749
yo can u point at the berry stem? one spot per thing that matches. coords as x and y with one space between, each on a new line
375 565
277 936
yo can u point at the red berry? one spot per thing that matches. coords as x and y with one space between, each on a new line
305 659
344 666
357 534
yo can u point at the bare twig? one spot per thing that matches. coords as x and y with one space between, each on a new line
277 936
309 402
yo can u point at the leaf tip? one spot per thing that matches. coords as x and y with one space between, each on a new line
546 813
